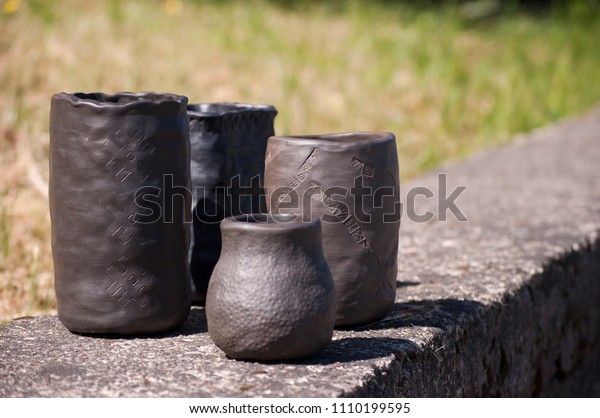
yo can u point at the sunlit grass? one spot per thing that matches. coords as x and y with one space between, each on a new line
445 85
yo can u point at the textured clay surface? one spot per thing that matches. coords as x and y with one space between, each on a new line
505 304
271 295
119 237
351 182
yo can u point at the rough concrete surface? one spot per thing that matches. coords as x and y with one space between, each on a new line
506 304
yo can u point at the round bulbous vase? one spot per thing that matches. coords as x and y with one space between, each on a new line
119 196
271 296
228 144
351 182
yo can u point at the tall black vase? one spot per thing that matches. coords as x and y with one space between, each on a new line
351 182
228 142
119 171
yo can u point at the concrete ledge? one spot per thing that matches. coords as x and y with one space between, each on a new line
506 304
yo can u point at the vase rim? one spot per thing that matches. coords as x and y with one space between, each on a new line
344 139
216 109
268 222
120 100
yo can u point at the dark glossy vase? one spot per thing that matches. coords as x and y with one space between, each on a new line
228 143
271 296
119 171
351 181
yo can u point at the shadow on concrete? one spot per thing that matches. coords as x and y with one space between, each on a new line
350 349
195 324
441 313
400 284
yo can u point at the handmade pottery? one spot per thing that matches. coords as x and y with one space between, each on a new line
271 296
119 193
228 143
351 181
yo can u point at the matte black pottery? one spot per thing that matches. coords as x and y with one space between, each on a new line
119 169
351 180
228 150
271 296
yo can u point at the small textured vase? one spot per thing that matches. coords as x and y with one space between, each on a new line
271 296
228 143
119 196
351 181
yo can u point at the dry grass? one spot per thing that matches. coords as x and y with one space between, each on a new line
443 85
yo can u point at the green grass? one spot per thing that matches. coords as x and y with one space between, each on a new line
446 85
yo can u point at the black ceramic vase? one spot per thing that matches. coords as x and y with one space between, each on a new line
271 296
351 181
119 169
228 143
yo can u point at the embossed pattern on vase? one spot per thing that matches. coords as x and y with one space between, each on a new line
119 269
362 253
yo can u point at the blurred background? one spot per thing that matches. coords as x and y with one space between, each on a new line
447 77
